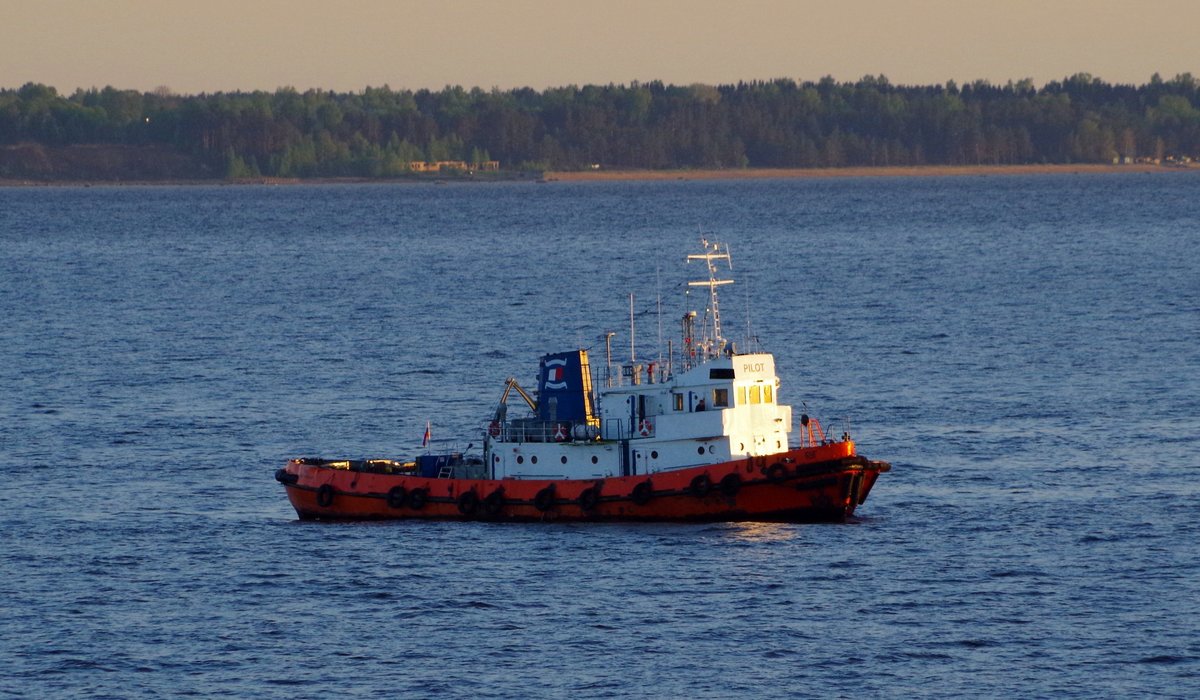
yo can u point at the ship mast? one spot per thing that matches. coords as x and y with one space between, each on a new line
711 345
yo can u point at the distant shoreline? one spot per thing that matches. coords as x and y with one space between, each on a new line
648 175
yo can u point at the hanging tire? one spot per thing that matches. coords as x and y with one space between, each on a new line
643 492
325 496
417 498
494 502
776 473
700 486
396 497
544 499
589 498
468 503
731 484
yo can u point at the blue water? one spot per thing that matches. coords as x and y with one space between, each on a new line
1024 350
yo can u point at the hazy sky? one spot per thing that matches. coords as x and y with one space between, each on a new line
222 45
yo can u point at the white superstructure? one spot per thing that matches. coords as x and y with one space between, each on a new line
717 406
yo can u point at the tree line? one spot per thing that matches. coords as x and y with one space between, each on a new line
380 132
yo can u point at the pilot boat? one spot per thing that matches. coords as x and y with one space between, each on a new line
699 435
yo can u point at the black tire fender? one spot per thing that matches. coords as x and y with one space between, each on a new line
643 492
544 499
700 485
589 497
325 496
730 484
493 502
468 503
396 497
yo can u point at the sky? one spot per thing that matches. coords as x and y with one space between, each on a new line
194 46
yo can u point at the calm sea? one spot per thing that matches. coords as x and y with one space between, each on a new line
1024 350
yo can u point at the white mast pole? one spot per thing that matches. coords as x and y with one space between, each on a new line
632 354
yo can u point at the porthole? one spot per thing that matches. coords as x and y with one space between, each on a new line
496 459
711 449
741 447
700 450
520 459
595 459
563 459
533 459
654 454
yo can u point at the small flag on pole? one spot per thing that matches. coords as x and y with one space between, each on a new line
425 440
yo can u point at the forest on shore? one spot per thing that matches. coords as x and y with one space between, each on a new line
113 134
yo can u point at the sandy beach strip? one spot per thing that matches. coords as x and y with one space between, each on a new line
878 171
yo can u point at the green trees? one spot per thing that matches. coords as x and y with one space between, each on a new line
380 132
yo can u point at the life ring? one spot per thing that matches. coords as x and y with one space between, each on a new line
325 496
494 429
589 498
544 499
417 498
643 492
730 484
560 432
776 473
645 428
700 486
494 502
396 496
468 503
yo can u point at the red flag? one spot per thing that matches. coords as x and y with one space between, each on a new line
425 440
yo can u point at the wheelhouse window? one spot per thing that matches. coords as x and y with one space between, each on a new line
741 401
768 393
756 394
678 399
720 398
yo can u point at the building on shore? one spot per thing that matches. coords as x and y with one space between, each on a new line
419 166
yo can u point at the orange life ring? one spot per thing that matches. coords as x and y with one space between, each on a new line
645 428
560 432
494 429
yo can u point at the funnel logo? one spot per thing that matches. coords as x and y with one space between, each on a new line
555 374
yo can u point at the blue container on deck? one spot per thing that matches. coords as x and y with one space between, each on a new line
431 465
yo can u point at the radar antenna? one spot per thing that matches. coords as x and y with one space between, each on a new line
711 343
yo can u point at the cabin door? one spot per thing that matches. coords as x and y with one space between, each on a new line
639 464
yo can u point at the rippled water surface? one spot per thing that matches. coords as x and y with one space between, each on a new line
1024 350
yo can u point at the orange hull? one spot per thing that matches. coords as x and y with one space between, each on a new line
816 484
